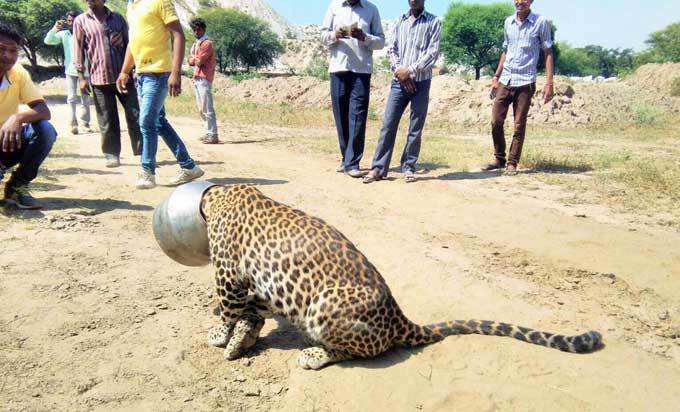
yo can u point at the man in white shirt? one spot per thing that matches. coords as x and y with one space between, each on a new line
351 30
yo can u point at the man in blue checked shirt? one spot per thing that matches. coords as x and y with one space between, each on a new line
525 35
413 52
352 31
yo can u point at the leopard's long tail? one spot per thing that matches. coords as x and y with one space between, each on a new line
418 335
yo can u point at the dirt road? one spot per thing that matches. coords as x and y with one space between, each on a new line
94 316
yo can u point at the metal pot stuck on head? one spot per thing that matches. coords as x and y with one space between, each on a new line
179 226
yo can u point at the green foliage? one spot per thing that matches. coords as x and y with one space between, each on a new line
472 34
119 6
646 114
242 42
664 45
675 87
382 65
594 61
34 18
239 77
317 67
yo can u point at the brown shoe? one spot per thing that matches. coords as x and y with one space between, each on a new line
495 165
210 140
511 170
372 176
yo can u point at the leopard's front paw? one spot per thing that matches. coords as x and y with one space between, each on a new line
244 337
219 336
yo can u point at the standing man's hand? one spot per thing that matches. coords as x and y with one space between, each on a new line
358 34
175 84
495 84
548 92
117 39
340 33
403 75
84 86
10 135
122 82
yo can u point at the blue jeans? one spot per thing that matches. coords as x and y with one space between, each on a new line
37 141
396 105
152 90
350 94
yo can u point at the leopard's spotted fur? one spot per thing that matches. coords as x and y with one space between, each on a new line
272 259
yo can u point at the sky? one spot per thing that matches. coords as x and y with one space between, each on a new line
609 23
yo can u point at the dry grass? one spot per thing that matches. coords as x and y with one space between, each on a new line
631 167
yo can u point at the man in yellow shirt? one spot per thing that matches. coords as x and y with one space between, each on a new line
158 65
26 137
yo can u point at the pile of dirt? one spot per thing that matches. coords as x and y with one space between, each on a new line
655 77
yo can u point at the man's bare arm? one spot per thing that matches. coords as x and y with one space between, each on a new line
10 133
178 42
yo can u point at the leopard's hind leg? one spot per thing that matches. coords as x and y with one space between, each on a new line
317 357
347 323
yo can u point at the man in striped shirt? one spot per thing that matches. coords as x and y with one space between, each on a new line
525 35
413 53
100 37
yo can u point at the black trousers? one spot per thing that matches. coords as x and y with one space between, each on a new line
107 114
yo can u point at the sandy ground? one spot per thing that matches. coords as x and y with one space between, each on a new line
93 316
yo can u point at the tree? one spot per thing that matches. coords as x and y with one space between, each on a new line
575 61
34 18
664 45
594 60
473 34
241 40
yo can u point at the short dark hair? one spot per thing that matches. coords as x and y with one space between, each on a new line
11 33
72 13
198 22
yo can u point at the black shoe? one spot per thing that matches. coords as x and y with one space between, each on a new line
495 165
21 198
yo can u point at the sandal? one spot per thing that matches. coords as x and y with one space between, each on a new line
373 176
409 177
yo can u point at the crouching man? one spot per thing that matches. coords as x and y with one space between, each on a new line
26 137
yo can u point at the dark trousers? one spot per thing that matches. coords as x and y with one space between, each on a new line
350 95
37 141
109 123
396 105
520 99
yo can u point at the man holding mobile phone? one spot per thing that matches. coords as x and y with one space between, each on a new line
62 34
351 30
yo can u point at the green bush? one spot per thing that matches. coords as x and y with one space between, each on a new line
318 68
472 34
239 77
675 87
646 114
242 42
34 18
382 65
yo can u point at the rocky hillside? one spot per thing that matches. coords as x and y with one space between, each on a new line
258 8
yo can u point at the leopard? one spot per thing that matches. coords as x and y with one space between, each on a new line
271 260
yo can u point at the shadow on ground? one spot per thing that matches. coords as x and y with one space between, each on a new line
70 171
92 206
246 181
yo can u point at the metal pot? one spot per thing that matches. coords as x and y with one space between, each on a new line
179 226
